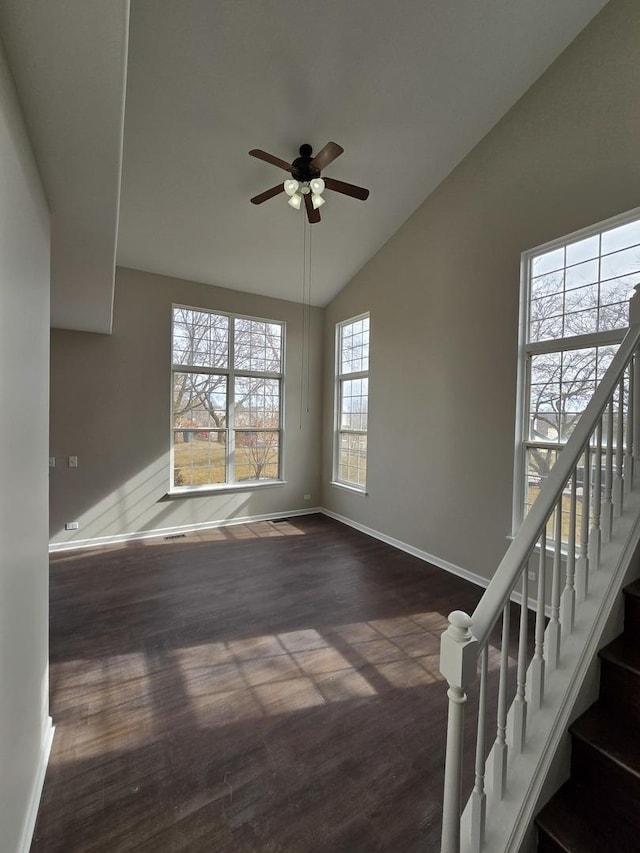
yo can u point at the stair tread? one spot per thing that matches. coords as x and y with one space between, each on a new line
623 652
612 735
633 589
575 827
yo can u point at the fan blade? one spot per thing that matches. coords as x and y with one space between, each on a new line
267 194
346 189
326 155
313 215
269 158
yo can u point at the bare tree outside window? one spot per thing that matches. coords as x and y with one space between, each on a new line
226 401
578 296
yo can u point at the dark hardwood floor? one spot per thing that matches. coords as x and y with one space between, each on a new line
271 687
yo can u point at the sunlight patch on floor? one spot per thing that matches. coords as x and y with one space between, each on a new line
116 713
225 683
287 672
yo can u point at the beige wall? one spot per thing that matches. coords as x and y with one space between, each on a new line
443 296
24 405
110 398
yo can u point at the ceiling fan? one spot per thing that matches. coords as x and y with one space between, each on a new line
305 182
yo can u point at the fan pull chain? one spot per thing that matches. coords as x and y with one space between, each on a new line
309 323
304 289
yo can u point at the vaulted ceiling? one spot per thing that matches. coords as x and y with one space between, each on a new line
408 89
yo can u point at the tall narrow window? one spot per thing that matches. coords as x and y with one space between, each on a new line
226 399
574 314
352 402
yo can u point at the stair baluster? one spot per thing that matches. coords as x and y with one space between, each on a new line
501 748
628 456
537 664
568 602
582 563
520 702
607 504
478 795
553 633
595 536
618 484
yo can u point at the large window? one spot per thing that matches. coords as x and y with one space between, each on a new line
226 399
574 314
352 402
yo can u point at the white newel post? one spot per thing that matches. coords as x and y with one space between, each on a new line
458 664
634 402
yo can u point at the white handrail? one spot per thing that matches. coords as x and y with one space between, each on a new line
503 581
467 636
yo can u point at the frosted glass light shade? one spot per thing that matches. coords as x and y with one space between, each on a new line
291 186
317 201
295 201
317 186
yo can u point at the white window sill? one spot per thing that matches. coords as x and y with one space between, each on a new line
196 491
355 490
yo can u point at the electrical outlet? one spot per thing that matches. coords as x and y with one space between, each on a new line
73 462
307 497
52 462
532 576
71 525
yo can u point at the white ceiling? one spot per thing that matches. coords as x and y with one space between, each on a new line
407 88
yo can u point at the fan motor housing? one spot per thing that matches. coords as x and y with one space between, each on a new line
301 168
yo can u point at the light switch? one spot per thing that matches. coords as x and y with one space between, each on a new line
73 462
52 462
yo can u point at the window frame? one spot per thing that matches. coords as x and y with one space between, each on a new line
527 349
231 373
338 431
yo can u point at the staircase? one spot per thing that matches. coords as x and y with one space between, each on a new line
598 809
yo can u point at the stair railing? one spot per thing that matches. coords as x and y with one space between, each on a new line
569 522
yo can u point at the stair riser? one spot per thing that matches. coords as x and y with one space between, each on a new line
620 690
606 786
597 810
632 616
546 844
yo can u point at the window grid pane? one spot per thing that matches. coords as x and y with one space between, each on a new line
561 385
584 287
354 346
257 402
539 464
353 402
257 455
199 457
206 406
355 399
199 400
257 345
581 288
352 459
200 338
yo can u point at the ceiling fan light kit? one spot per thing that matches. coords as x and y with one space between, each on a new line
305 181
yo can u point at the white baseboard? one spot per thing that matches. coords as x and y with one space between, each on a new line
409 549
36 791
479 580
101 541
